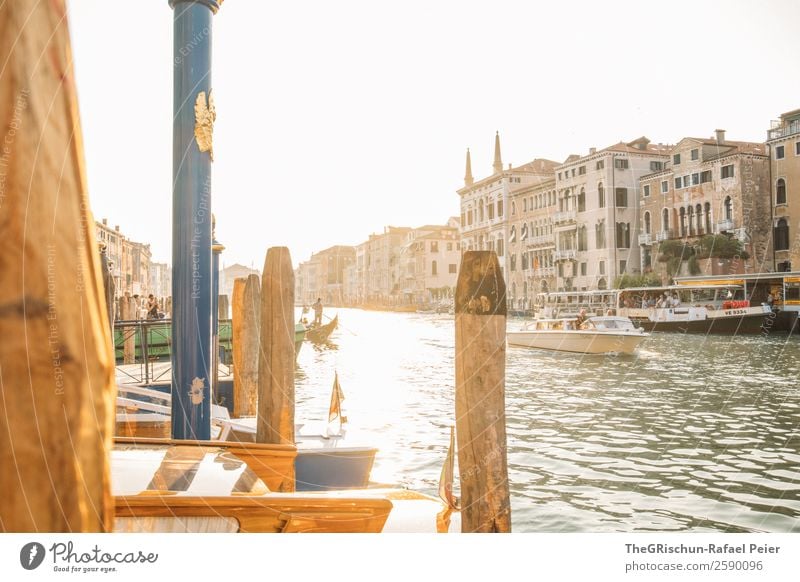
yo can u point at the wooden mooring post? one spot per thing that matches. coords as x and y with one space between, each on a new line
56 360
480 311
275 422
246 336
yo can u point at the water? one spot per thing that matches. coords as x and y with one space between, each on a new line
694 433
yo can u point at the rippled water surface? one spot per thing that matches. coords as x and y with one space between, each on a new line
694 433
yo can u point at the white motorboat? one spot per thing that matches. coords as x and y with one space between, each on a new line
596 335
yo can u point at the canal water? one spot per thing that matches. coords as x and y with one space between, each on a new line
694 433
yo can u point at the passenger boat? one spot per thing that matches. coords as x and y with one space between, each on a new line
321 333
689 309
596 335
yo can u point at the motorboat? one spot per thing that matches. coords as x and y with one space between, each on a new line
594 335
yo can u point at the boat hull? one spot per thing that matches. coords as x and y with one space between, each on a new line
729 325
577 341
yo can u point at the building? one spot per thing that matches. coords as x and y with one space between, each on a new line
227 275
596 214
484 224
129 261
708 186
378 269
783 140
531 243
323 276
429 264
160 279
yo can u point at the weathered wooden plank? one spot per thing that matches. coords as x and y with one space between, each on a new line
246 337
276 359
480 311
56 362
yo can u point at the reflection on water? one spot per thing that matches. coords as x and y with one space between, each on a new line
693 433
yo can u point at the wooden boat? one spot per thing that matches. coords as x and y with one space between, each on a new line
321 333
203 486
324 462
688 309
597 335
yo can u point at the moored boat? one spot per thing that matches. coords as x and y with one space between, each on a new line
704 309
596 335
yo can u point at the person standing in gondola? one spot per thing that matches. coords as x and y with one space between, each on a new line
318 311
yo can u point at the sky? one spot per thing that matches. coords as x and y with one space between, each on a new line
335 119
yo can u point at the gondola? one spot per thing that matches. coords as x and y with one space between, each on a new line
321 333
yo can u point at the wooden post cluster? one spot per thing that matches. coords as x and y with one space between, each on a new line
276 358
246 337
56 361
480 311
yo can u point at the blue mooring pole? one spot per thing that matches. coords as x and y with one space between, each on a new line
192 352
216 251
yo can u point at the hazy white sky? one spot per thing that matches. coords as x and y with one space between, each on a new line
337 118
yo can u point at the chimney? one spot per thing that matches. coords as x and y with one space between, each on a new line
116 227
105 222
509 165
592 151
720 133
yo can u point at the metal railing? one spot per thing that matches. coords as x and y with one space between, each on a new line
566 255
784 131
645 239
143 350
663 235
566 216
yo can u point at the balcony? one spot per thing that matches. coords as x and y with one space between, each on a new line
541 241
566 217
568 255
724 225
645 239
785 131
664 235
544 272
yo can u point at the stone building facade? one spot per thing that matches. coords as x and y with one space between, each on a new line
783 141
595 220
708 186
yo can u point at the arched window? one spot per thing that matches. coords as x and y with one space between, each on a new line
512 237
601 196
728 209
481 211
690 215
647 223
708 217
524 205
523 233
544 287
698 212
601 284
582 200
582 239
513 208
665 220
782 235
780 191
683 221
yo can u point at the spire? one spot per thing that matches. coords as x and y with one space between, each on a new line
468 181
498 162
